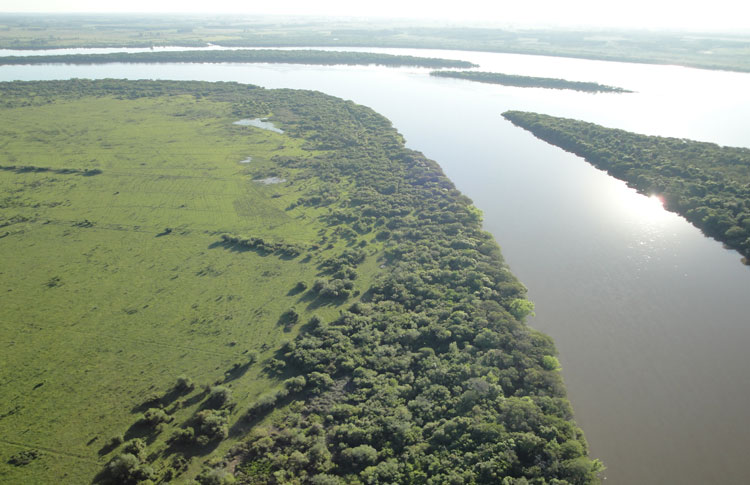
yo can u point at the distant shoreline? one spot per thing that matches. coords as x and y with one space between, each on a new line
529 81
702 50
315 57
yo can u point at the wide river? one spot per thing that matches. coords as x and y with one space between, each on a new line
651 319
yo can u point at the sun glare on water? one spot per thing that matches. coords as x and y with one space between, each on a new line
639 208
649 209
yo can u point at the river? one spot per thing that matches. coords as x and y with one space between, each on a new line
651 318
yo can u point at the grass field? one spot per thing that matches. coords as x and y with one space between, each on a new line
114 284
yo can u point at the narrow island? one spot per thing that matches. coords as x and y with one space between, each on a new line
349 323
529 81
315 57
706 183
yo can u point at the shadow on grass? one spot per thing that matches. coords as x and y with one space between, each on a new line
298 288
307 296
108 448
250 419
156 401
153 401
190 450
322 302
146 432
192 401
237 371
171 395
241 248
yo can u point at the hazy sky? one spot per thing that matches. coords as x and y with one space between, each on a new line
673 14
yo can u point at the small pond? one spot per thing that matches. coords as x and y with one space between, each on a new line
259 123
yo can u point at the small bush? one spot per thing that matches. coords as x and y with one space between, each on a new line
295 384
183 436
218 397
184 383
263 404
23 458
115 441
210 425
155 416
135 447
215 477
289 317
275 366
122 467
319 381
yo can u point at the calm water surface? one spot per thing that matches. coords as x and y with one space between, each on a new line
651 318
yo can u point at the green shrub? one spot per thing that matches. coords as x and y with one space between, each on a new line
218 397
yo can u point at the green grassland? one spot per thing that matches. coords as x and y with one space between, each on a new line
100 307
168 316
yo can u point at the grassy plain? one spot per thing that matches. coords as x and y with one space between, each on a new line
102 304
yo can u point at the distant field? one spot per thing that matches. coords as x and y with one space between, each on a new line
727 51
102 304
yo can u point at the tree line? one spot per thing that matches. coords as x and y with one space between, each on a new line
317 57
431 375
529 81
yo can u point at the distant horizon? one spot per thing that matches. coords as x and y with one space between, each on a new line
665 15
402 21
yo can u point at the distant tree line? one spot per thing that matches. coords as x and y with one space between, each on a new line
241 56
63 171
528 81
257 243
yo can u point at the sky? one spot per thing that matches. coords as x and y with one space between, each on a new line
649 14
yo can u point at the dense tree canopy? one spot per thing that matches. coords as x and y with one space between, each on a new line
431 376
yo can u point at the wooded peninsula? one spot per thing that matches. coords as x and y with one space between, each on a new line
706 183
529 81
316 57
299 299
